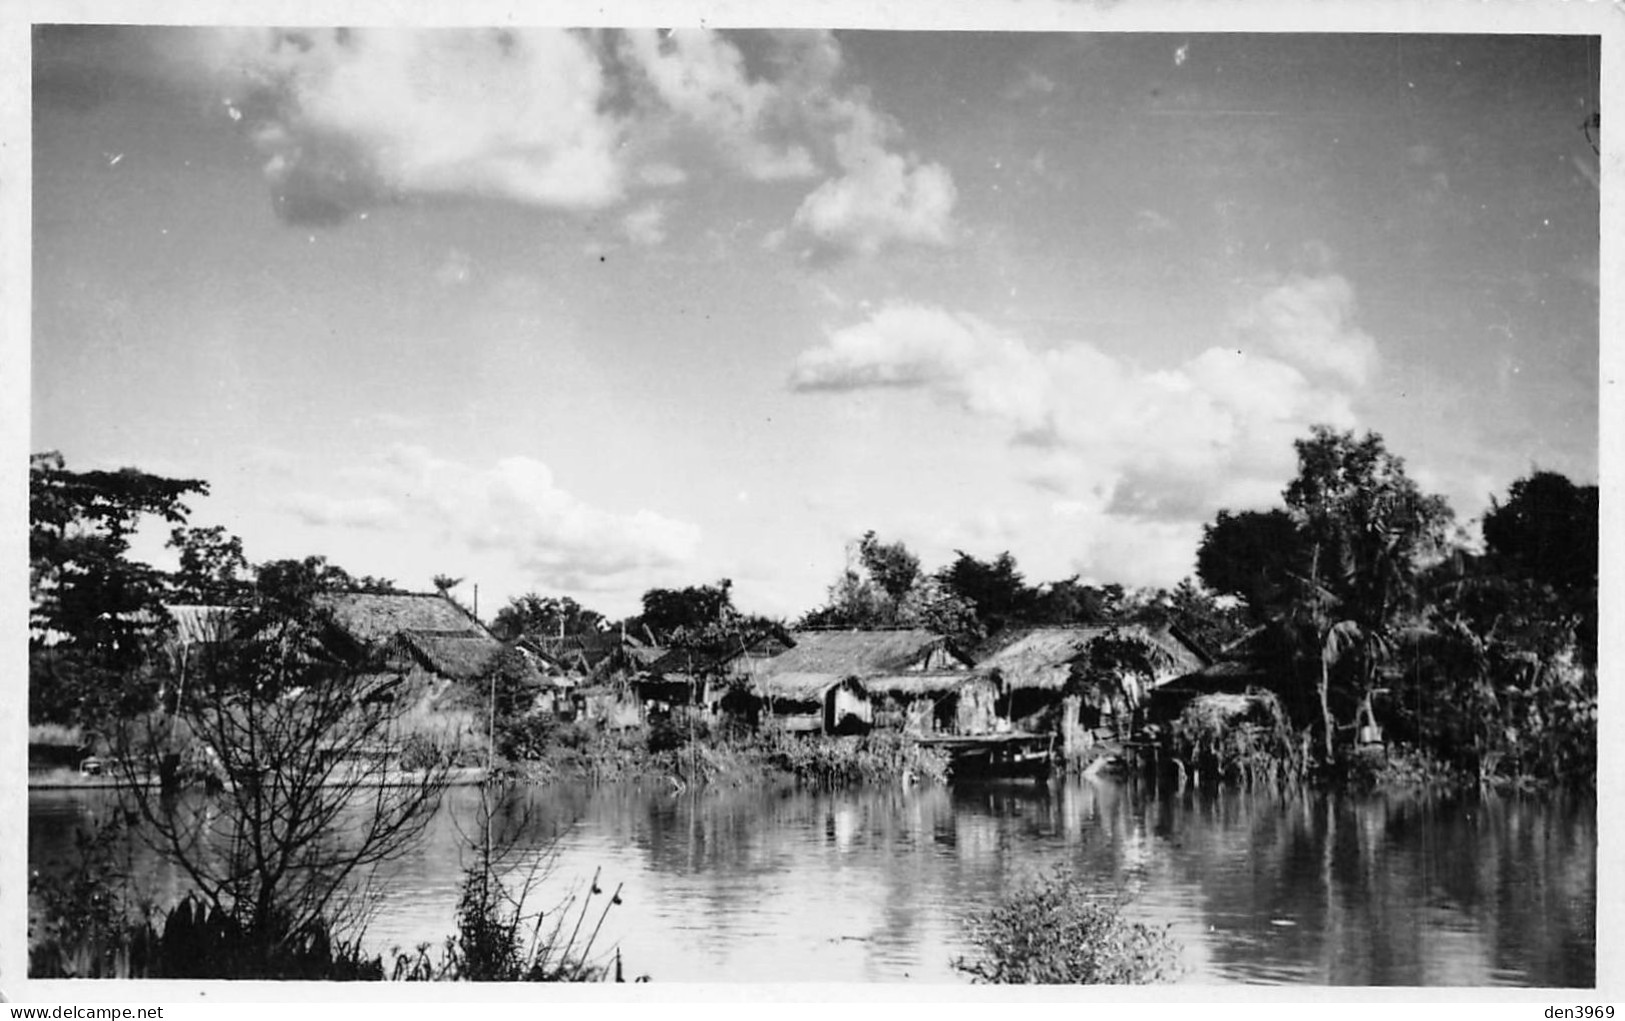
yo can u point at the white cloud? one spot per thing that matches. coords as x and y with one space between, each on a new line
701 77
881 197
661 175
646 225
878 197
1168 444
515 507
367 512
1308 321
349 117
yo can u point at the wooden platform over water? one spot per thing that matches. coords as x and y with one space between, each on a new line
982 756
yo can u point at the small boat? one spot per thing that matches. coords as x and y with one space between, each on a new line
1014 755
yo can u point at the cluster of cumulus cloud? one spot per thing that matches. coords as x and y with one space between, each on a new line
570 120
1116 440
514 506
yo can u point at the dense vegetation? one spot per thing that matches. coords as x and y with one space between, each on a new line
1063 930
1368 612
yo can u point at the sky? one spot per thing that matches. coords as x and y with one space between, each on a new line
588 312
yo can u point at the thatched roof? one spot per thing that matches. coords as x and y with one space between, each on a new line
198 624
1042 658
916 685
861 654
375 617
799 686
437 632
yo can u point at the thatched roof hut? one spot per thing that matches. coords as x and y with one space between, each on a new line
952 701
1043 659
826 702
865 654
429 631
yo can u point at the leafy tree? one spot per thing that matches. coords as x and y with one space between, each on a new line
669 611
213 570
872 589
87 594
1335 573
295 581
1506 684
1547 528
883 586
93 609
995 588
854 601
545 616
935 607
1369 528
1197 611
1252 555
1547 532
891 566
1069 601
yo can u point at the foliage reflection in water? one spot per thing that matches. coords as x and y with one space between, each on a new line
877 884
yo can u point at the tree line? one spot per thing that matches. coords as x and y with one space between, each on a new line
1357 597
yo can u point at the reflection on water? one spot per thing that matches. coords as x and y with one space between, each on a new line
876 884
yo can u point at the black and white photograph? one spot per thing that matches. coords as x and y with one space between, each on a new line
808 504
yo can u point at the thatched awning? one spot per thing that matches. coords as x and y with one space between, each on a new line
799 687
921 685
461 657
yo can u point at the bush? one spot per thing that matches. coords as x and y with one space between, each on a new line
1240 739
882 756
1062 931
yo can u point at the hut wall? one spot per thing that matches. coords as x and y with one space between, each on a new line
847 709
976 711
1076 739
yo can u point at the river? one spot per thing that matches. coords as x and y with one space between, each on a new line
875 885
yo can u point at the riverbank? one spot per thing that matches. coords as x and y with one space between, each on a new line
702 754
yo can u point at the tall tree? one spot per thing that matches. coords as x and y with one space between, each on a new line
995 588
213 570
1547 528
1334 573
545 617
296 580
86 592
1369 528
880 586
1252 555
696 607
890 565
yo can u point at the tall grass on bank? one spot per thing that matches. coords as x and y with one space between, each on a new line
1062 930
695 750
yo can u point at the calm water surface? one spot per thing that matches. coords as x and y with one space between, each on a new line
875 885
